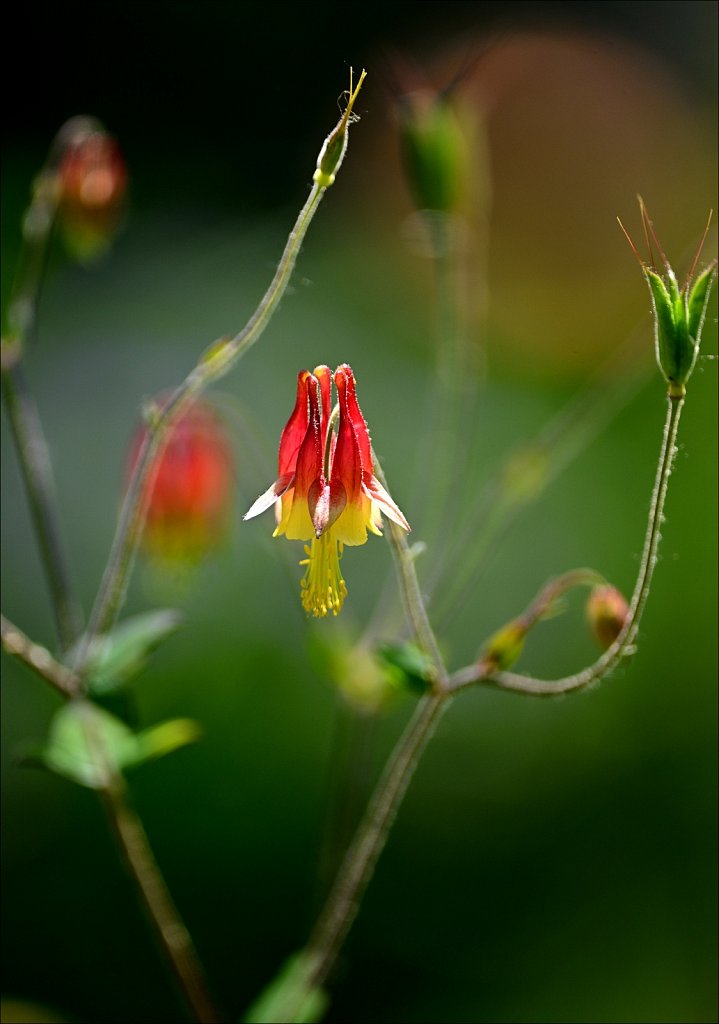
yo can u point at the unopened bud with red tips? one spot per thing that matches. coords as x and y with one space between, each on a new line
91 181
189 487
607 612
335 145
679 313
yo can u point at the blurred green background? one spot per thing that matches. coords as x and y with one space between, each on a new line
554 861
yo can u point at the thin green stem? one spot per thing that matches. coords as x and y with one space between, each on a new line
623 646
171 931
344 899
414 604
37 228
35 466
216 362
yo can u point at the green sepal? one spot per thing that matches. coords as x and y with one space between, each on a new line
116 657
698 301
665 333
411 668
92 747
287 991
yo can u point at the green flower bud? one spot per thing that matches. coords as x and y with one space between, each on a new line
679 313
434 151
335 145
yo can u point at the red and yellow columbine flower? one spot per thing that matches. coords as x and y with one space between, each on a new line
326 491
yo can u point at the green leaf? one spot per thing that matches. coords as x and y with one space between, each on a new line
414 667
87 745
117 657
90 746
164 738
288 997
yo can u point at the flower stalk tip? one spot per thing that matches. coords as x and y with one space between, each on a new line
678 313
335 145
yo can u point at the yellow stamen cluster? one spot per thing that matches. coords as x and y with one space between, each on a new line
323 588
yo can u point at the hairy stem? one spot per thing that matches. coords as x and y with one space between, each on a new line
354 875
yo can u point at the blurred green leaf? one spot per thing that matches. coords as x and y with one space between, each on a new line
87 745
288 989
90 746
117 657
164 738
411 664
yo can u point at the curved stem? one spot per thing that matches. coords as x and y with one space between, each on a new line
34 459
164 915
318 957
216 362
623 646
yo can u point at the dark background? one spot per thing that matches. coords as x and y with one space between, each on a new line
554 861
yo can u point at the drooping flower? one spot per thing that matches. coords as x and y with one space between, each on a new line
92 186
189 488
326 491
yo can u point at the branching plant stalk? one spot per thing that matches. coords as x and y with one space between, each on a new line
356 871
38 659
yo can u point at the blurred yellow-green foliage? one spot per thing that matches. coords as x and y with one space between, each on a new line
554 861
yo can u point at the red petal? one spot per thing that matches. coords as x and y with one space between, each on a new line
309 457
296 426
347 461
359 424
